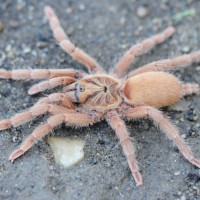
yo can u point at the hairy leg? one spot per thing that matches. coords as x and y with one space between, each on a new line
170 130
120 129
67 45
38 73
52 122
190 88
141 48
50 84
168 64
62 98
33 112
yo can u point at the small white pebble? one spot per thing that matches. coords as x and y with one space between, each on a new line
183 136
81 7
142 12
195 188
179 193
122 20
67 152
183 198
186 49
177 173
182 119
27 50
69 10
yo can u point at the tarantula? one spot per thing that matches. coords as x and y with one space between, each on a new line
89 98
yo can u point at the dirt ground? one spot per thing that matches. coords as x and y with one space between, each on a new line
104 29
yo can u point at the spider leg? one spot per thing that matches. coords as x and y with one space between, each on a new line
163 65
52 122
67 45
65 100
38 73
190 88
120 129
50 84
33 112
170 130
141 48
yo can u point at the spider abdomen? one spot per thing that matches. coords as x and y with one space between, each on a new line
153 89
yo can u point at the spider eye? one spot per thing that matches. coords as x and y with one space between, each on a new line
82 88
105 89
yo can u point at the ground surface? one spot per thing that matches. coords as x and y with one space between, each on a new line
104 29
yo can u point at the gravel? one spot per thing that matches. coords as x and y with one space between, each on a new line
104 29
142 12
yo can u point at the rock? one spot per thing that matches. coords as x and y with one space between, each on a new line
14 24
192 115
185 49
1 26
70 31
122 20
81 7
27 50
41 45
177 173
67 152
183 136
142 12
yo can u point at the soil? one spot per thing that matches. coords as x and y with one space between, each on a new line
104 29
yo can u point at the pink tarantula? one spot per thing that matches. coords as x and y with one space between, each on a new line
89 98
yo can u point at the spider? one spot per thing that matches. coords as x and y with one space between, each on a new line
90 97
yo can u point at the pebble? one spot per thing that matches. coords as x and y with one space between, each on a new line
70 31
179 193
81 7
67 152
195 188
14 24
194 130
180 106
183 198
1 26
124 46
41 45
157 21
10 51
142 12
185 49
177 173
20 5
69 10
183 136
26 50
80 26
192 115
182 119
138 31
15 139
122 20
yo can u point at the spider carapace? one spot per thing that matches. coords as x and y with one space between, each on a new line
100 92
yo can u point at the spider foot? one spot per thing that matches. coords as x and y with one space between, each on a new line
15 154
138 178
196 162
